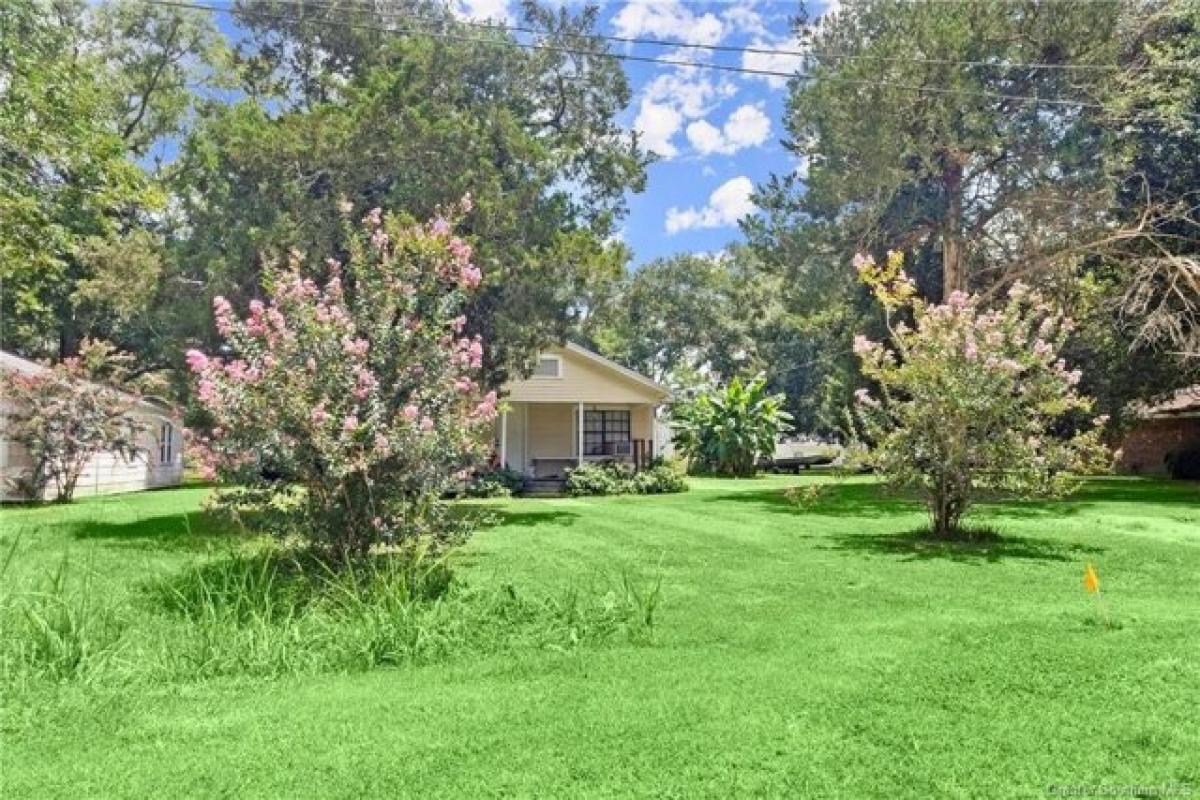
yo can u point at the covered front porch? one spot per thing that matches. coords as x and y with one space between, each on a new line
543 440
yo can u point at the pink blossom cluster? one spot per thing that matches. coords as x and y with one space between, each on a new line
487 408
349 385
468 352
223 315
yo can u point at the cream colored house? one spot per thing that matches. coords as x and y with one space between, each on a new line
160 462
578 407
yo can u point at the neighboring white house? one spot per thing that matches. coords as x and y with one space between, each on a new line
578 406
159 464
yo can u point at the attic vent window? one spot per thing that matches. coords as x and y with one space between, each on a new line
548 367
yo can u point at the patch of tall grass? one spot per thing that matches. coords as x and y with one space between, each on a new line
275 613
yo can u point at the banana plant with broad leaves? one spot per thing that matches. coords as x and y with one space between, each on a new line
726 430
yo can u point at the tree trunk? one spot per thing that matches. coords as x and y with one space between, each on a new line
954 275
946 508
68 335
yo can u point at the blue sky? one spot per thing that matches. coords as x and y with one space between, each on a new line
716 134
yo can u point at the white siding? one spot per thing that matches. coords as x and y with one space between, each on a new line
108 473
583 379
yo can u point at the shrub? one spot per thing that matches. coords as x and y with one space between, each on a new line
972 401
725 431
1184 464
66 415
807 496
502 482
620 478
599 479
342 413
658 479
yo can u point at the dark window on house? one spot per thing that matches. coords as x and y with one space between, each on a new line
603 431
166 443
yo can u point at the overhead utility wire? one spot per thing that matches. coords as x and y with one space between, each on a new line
514 44
357 5
509 43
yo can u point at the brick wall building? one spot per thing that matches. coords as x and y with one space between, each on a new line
1162 429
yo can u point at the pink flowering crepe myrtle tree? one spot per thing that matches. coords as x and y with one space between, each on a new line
344 411
66 415
973 402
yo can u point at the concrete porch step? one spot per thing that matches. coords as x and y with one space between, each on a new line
543 487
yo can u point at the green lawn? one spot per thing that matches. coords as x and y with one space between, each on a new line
818 653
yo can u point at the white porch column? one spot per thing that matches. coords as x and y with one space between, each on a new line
579 438
503 439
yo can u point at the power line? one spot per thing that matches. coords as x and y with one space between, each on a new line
512 43
360 5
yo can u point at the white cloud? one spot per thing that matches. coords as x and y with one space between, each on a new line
691 92
705 137
658 123
484 10
726 205
778 58
803 163
745 18
670 100
667 19
832 7
746 127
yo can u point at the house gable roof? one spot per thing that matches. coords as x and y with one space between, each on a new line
1183 402
11 362
588 377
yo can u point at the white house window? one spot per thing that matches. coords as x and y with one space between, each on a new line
548 367
166 443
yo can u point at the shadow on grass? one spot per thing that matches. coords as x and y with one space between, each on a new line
984 546
838 500
500 516
871 501
182 531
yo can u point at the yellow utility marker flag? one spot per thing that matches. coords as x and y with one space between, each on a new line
1091 584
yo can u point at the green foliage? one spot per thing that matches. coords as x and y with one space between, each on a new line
342 413
156 58
973 402
1102 192
750 589
1156 164
413 124
61 626
65 172
687 311
726 431
87 90
806 496
615 477
501 482
275 613
658 479
891 168
599 478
